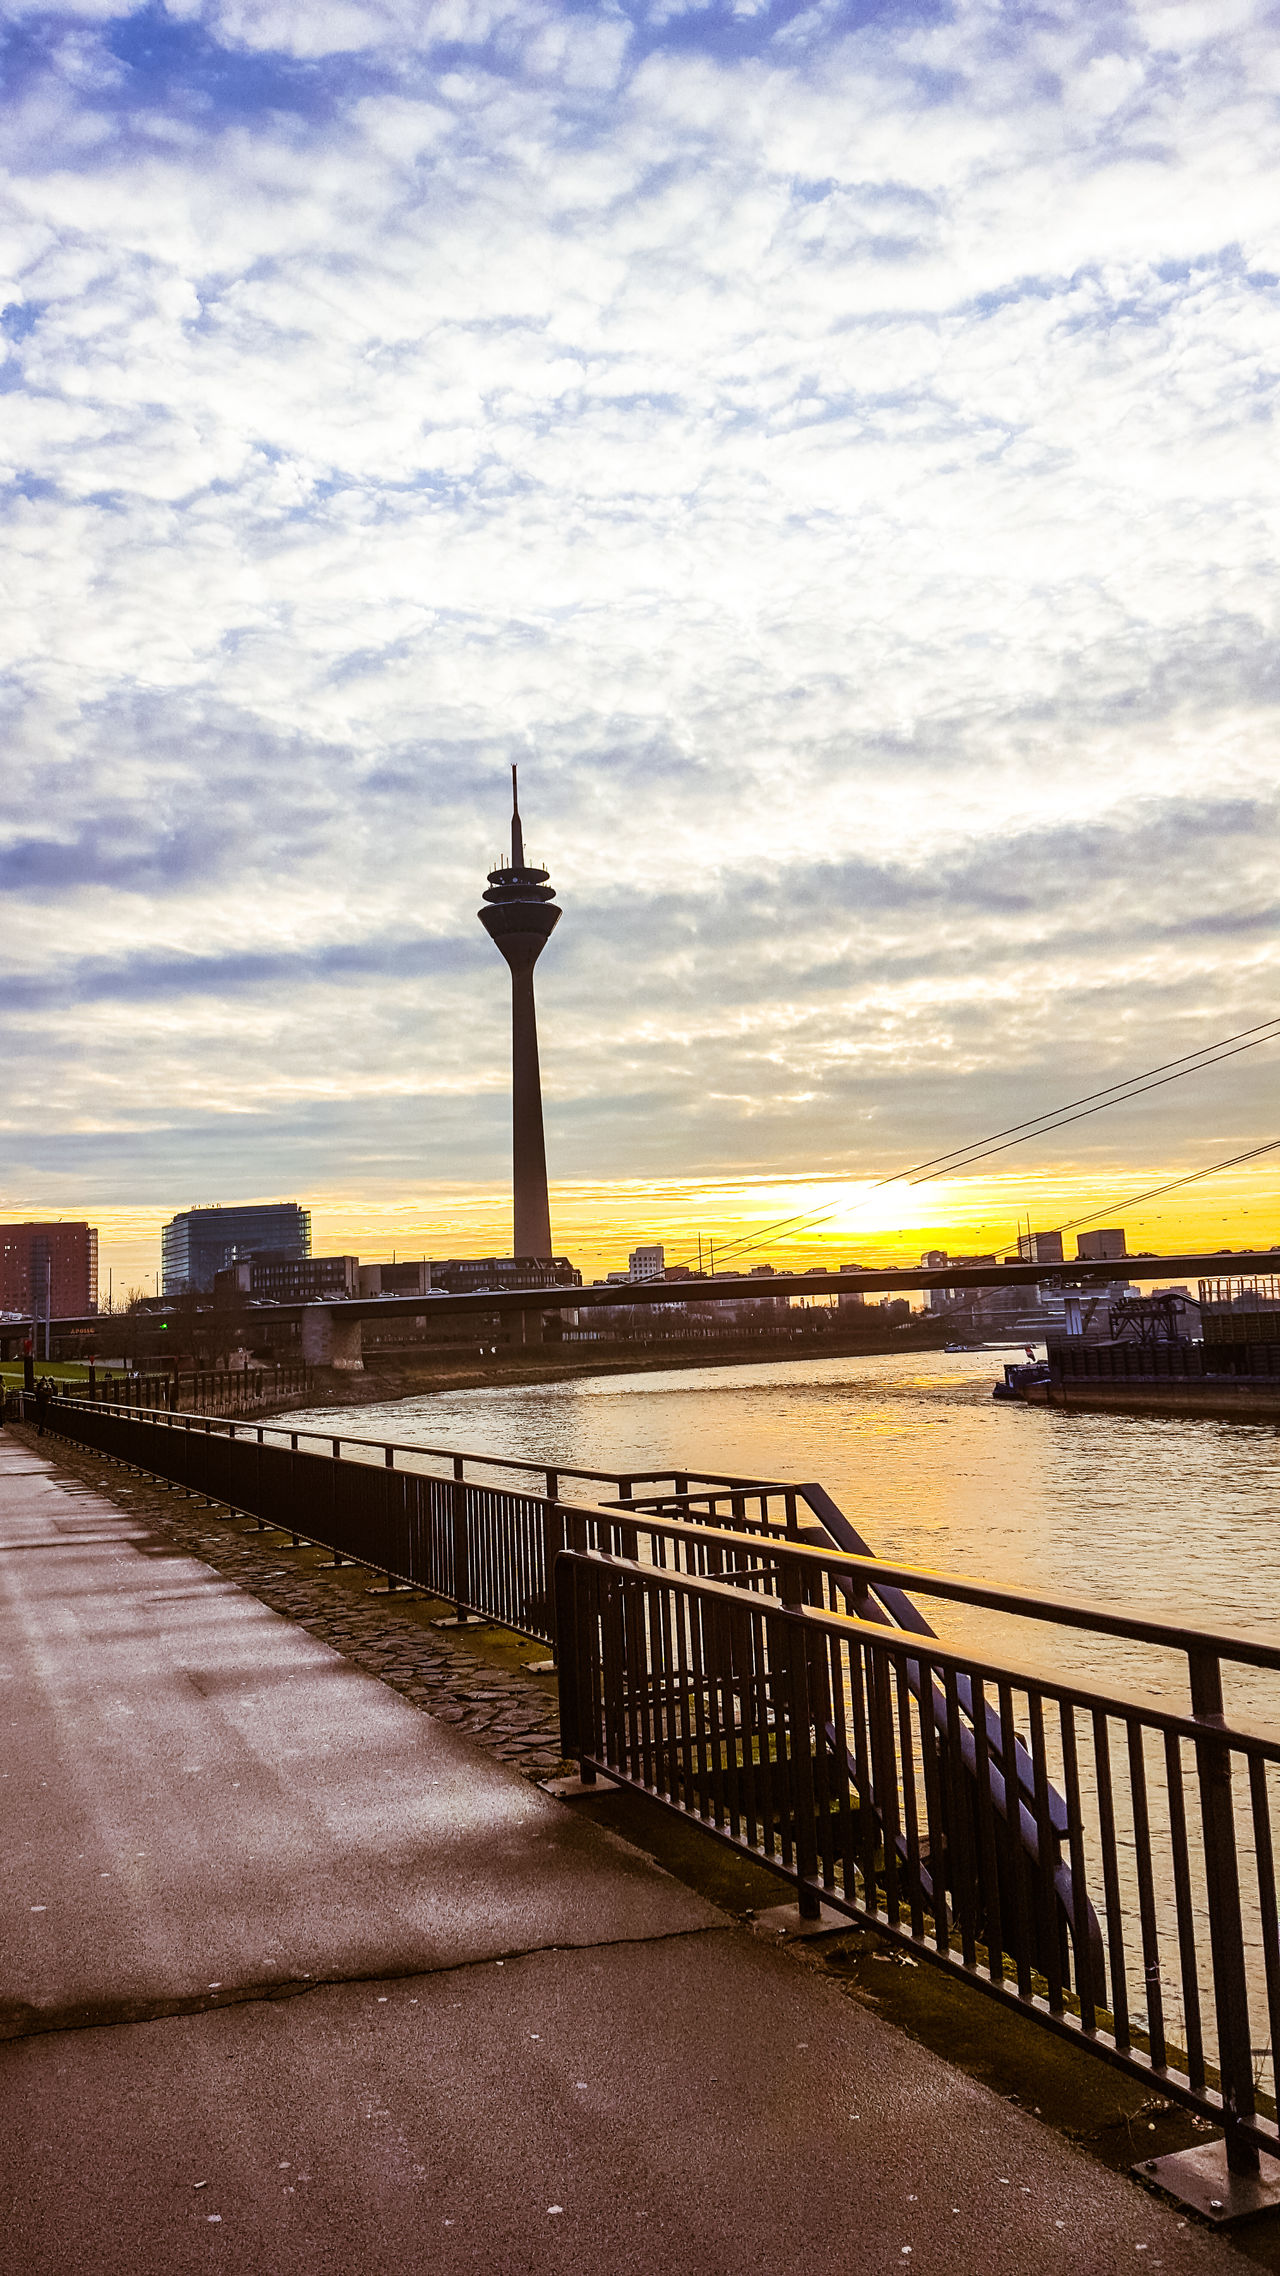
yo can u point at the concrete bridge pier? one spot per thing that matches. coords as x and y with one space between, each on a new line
330 1340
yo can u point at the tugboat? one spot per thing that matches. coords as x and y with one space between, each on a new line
1021 1377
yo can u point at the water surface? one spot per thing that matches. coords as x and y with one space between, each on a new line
1170 1513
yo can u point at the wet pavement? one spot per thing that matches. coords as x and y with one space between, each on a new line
295 1977
477 1679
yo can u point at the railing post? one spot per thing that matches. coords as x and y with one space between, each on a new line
1226 1929
564 1585
789 1629
553 1541
461 1547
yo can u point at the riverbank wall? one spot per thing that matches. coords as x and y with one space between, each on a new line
404 1375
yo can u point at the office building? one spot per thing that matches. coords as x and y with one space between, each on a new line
274 1279
520 916
470 1276
198 1243
648 1262
407 1279
1040 1248
1106 1243
49 1270
935 1299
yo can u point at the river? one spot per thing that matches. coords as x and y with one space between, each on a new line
1167 1513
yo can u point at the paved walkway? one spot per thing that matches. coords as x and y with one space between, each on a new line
477 1679
295 1979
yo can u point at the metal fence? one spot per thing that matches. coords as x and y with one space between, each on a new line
220 1390
1072 1849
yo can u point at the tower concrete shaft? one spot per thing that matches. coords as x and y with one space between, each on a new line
520 916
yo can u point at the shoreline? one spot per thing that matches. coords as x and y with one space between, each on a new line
376 1386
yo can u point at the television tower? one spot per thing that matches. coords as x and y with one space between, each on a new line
520 916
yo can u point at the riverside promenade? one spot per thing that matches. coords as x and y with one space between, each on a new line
297 1980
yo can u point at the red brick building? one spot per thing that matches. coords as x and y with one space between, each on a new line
49 1268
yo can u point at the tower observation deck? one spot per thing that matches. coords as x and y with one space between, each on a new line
520 916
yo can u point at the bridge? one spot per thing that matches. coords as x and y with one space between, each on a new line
332 1333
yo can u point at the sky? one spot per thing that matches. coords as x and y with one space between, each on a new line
830 448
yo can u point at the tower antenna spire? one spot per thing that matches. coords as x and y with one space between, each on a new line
517 834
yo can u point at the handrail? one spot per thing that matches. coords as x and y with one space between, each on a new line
1236 1644
454 1454
908 1645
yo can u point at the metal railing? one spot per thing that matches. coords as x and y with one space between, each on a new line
482 1545
226 1390
1071 1848
491 1551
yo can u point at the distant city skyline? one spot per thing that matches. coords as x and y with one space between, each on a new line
599 1229
829 449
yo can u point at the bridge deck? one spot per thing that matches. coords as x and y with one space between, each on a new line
252 1910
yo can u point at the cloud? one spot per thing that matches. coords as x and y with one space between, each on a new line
144 978
830 449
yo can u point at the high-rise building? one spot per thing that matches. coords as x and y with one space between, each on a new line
520 916
649 1262
49 1270
198 1243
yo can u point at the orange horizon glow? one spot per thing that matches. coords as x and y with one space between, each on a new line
750 1220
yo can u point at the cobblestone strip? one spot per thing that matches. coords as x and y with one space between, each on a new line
514 1714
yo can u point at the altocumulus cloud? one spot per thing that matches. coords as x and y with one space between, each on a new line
830 447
